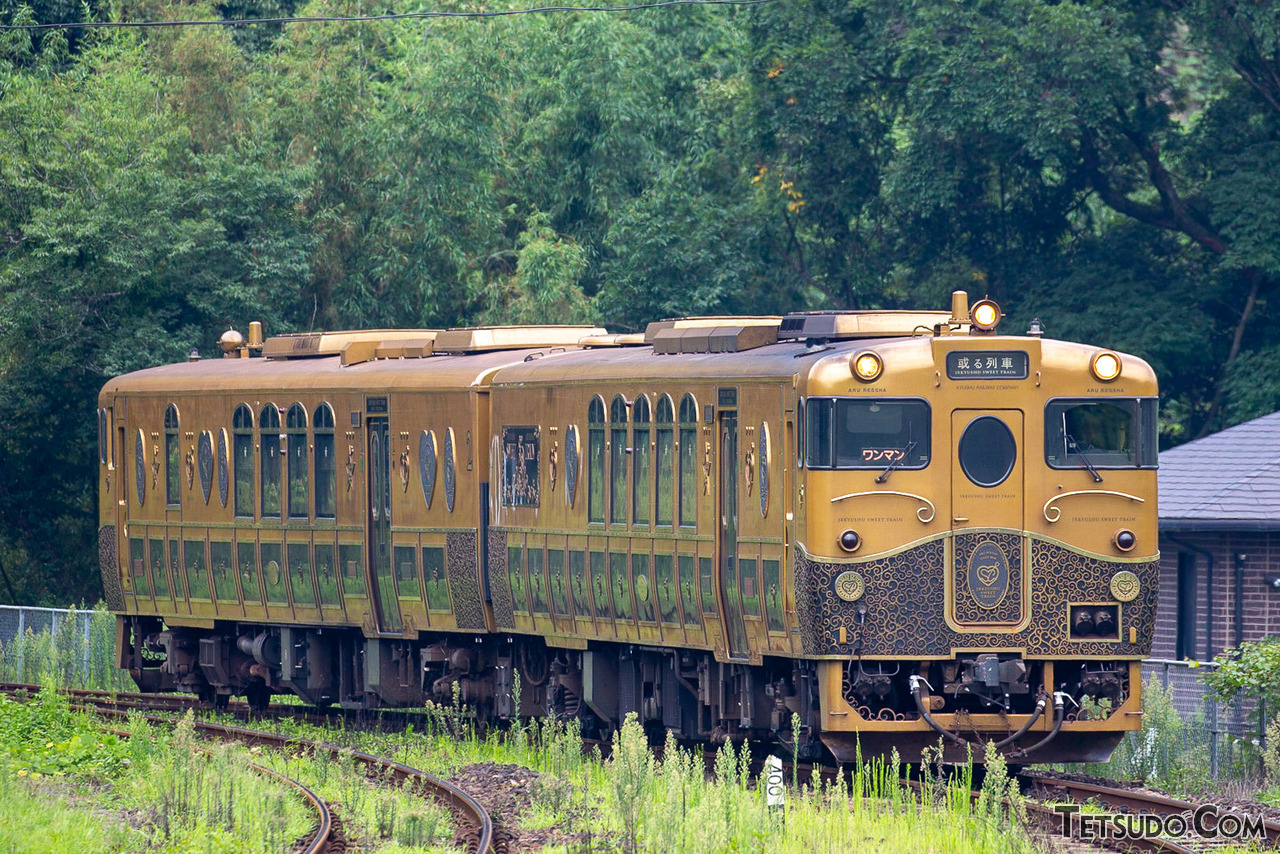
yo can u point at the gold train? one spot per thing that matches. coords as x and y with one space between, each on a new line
853 529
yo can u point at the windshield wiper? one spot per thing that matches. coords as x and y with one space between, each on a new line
884 475
1075 449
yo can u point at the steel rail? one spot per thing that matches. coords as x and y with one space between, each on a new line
1138 802
464 806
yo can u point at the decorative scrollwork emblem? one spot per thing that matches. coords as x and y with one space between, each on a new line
749 467
553 462
850 586
1125 586
351 465
925 513
1053 514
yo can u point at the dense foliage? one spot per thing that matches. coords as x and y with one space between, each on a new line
1109 167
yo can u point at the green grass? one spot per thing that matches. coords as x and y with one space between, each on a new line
178 800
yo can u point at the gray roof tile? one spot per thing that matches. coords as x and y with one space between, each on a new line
1231 475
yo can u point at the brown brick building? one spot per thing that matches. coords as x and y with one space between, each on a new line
1219 541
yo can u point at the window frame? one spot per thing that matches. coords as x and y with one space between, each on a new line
1139 451
172 456
684 427
619 434
270 434
327 431
243 431
802 442
664 429
597 431
641 461
296 463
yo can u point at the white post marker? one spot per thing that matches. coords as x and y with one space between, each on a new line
775 783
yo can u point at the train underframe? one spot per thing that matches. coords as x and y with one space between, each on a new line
1064 710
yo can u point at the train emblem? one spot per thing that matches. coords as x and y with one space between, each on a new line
988 574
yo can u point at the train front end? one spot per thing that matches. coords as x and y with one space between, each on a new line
976 556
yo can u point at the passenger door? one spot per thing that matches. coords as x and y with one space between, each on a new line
727 529
988 579
379 521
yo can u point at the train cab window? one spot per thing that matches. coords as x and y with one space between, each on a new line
618 461
847 433
664 499
242 450
172 475
641 462
269 441
326 466
296 427
689 461
1113 433
595 460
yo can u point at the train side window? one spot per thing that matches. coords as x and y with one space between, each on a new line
641 462
172 474
102 436
595 460
242 449
269 441
800 434
689 461
1104 433
326 466
664 500
296 427
618 461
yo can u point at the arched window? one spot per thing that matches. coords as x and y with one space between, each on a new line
296 427
666 446
242 450
641 462
618 461
269 441
688 461
172 475
595 460
326 466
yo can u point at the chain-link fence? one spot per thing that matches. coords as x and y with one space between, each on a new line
1231 734
67 647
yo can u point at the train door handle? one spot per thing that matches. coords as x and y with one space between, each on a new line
960 519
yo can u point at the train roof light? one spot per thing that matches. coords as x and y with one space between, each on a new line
1105 365
867 366
985 315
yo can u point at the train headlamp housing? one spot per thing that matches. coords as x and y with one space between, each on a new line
1105 365
867 366
985 315
850 541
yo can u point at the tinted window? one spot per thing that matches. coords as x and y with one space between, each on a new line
1105 433
844 433
987 451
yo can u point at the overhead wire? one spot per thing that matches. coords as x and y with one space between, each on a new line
390 16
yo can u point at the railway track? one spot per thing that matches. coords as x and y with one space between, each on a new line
1195 827
475 830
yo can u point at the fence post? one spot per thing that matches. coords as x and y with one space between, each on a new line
1212 703
1165 677
22 645
85 664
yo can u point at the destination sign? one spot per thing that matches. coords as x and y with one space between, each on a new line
988 364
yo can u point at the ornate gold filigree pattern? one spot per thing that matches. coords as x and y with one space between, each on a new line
904 599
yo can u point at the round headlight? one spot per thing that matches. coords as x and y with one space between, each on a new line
985 314
1105 366
867 366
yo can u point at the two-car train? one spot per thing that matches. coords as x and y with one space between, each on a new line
898 526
